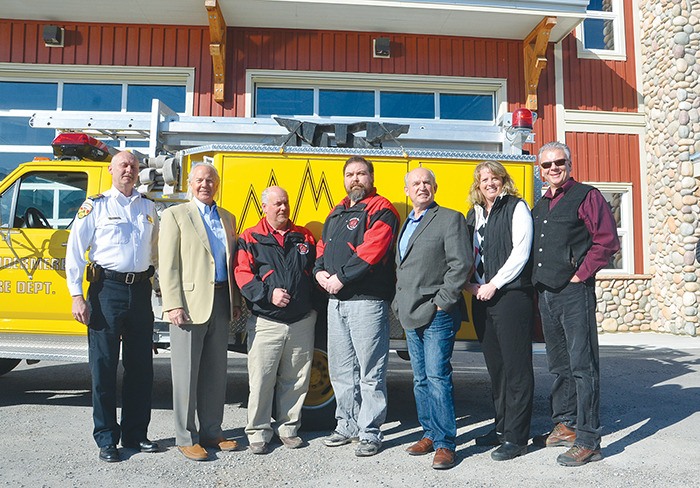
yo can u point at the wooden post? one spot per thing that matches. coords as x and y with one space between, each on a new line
217 46
534 55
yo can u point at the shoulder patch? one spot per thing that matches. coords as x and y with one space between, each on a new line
96 197
85 209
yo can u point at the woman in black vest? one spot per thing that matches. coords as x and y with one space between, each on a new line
500 227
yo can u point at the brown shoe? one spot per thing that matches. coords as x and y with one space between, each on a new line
195 453
423 446
444 458
561 436
221 443
578 456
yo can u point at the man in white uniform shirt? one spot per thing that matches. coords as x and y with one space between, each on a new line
120 229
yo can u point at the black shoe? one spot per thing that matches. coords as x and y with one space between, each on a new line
109 454
143 446
508 451
492 438
540 440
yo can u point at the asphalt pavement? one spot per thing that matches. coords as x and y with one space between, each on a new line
650 387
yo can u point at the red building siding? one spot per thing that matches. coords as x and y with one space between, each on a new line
279 49
351 52
615 158
117 45
593 84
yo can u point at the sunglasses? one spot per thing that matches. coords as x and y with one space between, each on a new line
548 164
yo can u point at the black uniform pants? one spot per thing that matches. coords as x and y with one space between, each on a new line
504 327
121 314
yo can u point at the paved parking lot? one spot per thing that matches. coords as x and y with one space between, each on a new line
651 433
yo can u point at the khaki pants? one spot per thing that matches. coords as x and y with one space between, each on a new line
279 367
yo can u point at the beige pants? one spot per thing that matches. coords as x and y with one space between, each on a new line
279 367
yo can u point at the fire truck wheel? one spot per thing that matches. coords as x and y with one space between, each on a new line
7 365
319 408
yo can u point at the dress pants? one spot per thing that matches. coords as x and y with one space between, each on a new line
198 364
121 315
504 327
279 367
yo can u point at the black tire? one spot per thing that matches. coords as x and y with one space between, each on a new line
7 365
318 412
404 355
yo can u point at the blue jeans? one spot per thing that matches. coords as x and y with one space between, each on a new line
358 356
431 348
569 326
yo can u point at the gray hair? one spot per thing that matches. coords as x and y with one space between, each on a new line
264 196
431 174
553 146
214 171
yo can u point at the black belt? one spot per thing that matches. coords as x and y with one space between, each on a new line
128 278
221 284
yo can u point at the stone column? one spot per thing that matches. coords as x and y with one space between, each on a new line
670 37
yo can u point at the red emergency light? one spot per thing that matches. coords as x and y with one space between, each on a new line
81 146
522 119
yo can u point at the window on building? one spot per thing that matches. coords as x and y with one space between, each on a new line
349 103
619 197
466 107
284 101
366 96
140 97
93 97
602 33
25 89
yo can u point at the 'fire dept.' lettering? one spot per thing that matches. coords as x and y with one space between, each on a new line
27 287
34 287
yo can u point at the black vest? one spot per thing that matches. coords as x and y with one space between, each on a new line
561 238
498 241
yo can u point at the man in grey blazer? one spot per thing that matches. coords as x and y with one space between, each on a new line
200 299
432 265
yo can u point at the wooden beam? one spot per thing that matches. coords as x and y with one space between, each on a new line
534 55
217 46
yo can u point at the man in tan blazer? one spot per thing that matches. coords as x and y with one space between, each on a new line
200 298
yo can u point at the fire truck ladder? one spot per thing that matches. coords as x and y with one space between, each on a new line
167 131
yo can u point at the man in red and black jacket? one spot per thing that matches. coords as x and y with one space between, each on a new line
355 265
273 271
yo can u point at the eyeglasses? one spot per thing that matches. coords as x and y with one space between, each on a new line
558 162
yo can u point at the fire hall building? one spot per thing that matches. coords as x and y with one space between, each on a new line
617 80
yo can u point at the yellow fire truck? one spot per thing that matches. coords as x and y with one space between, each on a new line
39 200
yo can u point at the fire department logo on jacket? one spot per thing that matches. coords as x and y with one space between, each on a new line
303 248
353 223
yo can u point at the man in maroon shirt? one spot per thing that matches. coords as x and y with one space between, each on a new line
575 236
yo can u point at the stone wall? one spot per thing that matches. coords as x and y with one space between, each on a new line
670 38
625 304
